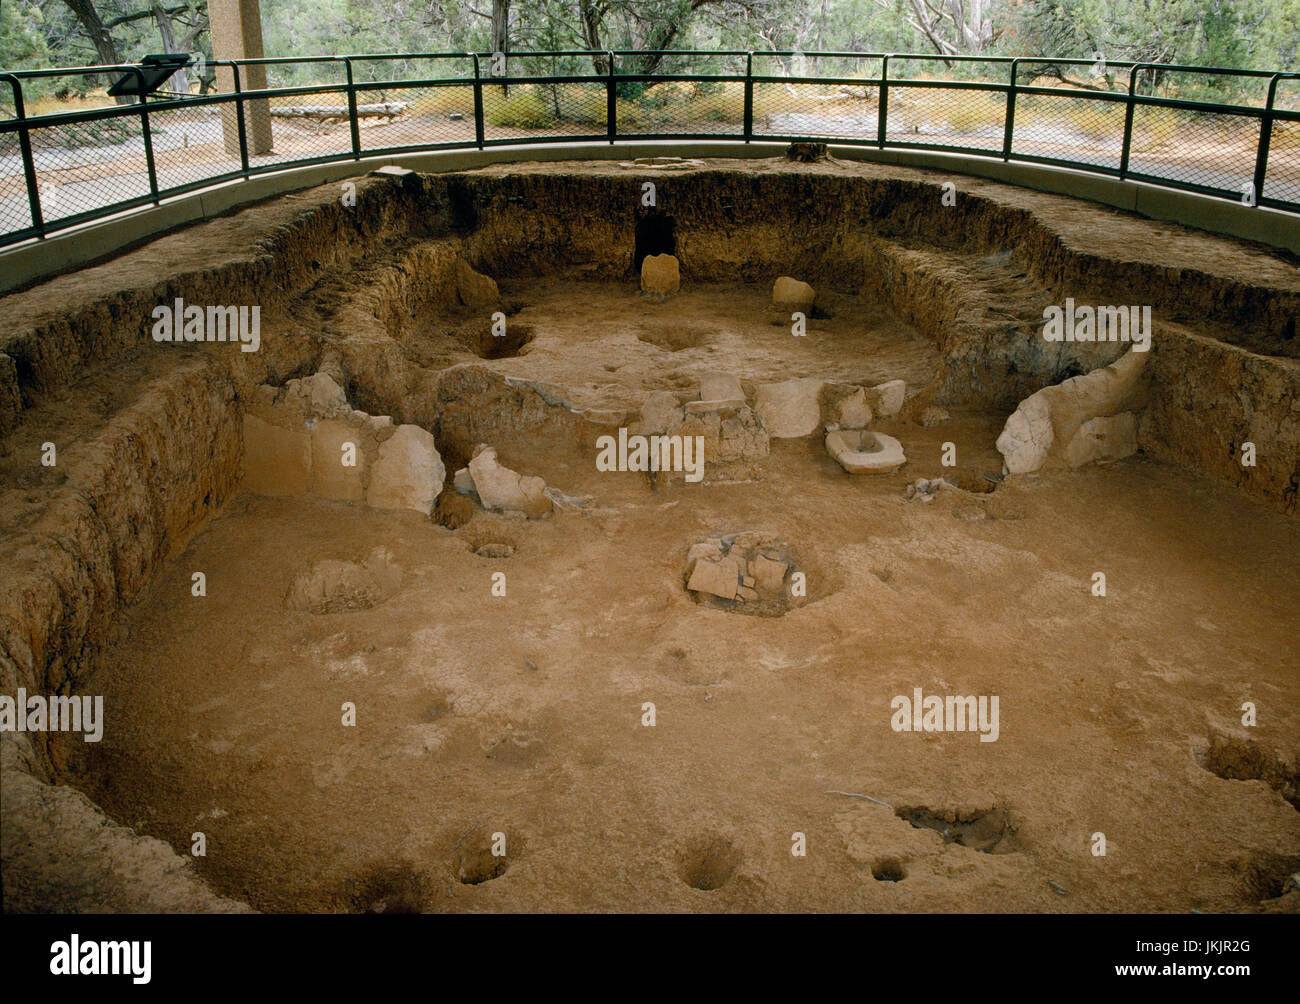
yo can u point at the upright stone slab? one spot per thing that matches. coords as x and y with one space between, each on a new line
889 396
660 273
277 460
720 390
330 478
791 294
408 472
790 409
505 490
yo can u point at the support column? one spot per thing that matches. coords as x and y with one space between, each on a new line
236 27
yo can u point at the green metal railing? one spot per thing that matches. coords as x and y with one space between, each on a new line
1143 121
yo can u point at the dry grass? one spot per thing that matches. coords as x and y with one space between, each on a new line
523 108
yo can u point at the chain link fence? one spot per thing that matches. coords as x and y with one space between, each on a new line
69 152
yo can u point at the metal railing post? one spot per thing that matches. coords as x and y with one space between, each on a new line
749 96
1128 123
478 104
29 164
611 101
1009 132
883 124
353 124
239 120
1265 138
148 139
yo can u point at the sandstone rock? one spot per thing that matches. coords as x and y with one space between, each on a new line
717 578
315 396
1105 439
463 483
475 290
1028 436
660 411
790 409
709 550
864 452
923 489
734 439
932 415
1046 423
605 416
741 439
889 397
845 406
769 574
408 473
748 568
505 490
660 273
721 389
330 479
277 461
791 294
264 395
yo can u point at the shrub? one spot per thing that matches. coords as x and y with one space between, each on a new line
444 101
971 110
522 108
588 107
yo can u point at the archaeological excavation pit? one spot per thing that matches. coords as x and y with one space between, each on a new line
554 552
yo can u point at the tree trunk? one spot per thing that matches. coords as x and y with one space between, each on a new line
180 80
99 37
593 20
500 25
501 31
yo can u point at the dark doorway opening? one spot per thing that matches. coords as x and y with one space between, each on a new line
656 233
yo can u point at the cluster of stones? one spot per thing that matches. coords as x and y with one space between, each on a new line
737 426
1084 419
746 569
304 439
732 434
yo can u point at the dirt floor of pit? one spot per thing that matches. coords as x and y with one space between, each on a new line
522 715
646 344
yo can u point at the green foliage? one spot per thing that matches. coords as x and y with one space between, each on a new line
1261 34
522 108
22 43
